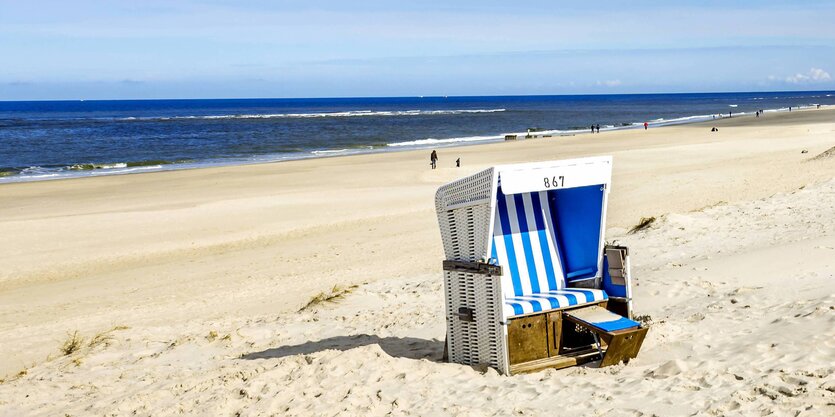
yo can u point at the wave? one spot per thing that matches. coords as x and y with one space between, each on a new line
544 133
127 170
433 141
355 113
37 172
90 167
329 152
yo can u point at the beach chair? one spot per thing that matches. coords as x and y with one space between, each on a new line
529 282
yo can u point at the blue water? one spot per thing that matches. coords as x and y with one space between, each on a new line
57 139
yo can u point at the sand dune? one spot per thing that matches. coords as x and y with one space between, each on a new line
193 281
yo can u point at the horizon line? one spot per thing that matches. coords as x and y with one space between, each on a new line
417 96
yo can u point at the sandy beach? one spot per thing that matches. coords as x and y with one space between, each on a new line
189 290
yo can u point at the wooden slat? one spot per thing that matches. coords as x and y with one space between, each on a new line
556 362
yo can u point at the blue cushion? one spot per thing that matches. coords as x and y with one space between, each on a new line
619 324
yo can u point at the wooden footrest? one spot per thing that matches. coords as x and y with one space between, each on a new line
555 362
622 336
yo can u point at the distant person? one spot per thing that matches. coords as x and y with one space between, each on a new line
592 128
819 106
458 163
790 108
598 128
433 158
714 129
646 125
758 113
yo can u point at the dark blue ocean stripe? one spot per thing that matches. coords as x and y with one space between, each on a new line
508 244
524 233
543 241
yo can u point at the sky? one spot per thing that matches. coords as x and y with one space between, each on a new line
226 49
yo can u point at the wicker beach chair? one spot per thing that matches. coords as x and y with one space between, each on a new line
529 283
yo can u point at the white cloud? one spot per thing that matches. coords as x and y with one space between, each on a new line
815 75
611 83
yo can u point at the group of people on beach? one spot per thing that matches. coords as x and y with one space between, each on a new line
593 127
433 160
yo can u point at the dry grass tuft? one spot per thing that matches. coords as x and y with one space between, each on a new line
211 336
103 337
72 344
644 224
336 293
829 153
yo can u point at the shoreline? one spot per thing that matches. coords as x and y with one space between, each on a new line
125 168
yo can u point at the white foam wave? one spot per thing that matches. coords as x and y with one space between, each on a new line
433 141
356 113
122 171
329 152
98 166
678 120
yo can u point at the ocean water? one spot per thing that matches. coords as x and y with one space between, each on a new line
58 139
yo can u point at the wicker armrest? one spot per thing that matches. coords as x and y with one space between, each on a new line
472 267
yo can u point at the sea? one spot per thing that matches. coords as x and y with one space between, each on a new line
44 140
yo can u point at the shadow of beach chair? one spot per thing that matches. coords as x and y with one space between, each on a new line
529 283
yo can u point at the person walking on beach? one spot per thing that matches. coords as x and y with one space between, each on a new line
433 158
592 128
458 163
598 128
646 125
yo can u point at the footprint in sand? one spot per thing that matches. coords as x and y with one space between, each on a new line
669 369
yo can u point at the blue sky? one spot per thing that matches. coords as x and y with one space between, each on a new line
207 49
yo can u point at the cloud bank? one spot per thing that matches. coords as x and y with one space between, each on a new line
815 75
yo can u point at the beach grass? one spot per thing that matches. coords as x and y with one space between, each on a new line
644 224
72 344
336 293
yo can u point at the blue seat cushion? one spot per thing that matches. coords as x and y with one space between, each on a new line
599 318
551 300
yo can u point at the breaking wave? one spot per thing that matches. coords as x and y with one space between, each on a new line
355 113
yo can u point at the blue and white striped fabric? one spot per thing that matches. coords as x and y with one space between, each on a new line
517 306
524 245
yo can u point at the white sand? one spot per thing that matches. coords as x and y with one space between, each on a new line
737 275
